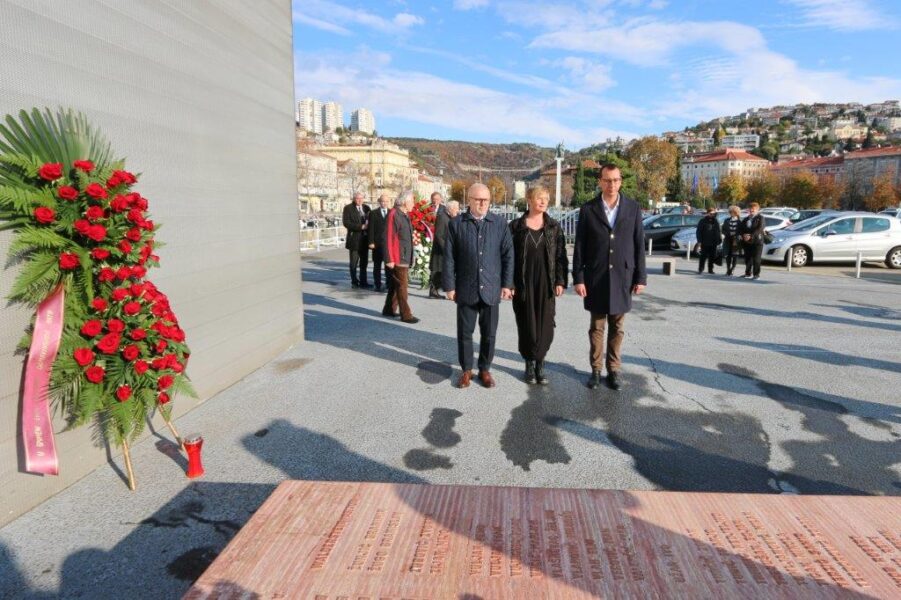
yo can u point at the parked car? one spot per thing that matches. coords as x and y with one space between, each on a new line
808 213
838 237
661 228
780 211
687 238
892 212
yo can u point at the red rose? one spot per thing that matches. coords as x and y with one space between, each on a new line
130 352
137 334
134 234
122 177
99 253
109 344
45 215
165 381
83 356
177 334
95 190
81 226
136 289
99 304
148 225
96 232
119 294
123 273
91 328
138 271
141 367
67 192
106 274
93 213
124 246
51 171
85 165
119 204
115 326
140 203
123 393
163 398
135 216
161 345
94 374
68 261
158 364
177 366
131 308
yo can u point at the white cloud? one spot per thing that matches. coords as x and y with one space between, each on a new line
586 74
361 80
332 16
405 20
843 15
469 4
555 16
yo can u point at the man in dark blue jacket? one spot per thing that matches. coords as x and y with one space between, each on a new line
608 267
477 274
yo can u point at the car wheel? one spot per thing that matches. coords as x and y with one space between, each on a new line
893 258
800 256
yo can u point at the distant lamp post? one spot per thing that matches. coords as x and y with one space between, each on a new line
560 151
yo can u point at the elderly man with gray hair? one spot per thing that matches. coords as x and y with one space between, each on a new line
399 257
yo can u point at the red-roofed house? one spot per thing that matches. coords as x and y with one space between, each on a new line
823 168
712 167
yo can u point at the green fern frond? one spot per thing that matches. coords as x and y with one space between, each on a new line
31 238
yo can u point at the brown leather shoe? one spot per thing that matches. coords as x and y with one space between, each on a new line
486 379
465 378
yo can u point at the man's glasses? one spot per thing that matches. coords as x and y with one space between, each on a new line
480 199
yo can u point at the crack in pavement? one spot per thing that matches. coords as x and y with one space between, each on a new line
666 391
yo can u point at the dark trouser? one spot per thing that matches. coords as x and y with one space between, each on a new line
487 315
730 256
378 257
615 336
435 270
753 252
397 292
708 253
359 259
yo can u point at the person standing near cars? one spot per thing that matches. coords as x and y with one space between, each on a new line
608 267
709 238
540 268
731 239
751 230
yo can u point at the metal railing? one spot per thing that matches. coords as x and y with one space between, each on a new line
314 239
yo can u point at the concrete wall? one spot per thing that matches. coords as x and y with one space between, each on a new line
198 96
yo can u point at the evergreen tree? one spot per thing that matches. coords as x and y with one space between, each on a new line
868 141
583 191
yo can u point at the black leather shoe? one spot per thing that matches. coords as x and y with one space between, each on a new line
539 373
613 381
367 286
530 372
354 285
594 382
378 287
389 314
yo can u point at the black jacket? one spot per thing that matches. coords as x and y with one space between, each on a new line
376 228
708 232
609 260
730 229
478 259
353 222
753 226
556 261
437 258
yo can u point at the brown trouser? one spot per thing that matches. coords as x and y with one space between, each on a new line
614 340
397 292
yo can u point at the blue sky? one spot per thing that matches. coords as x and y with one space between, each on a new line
585 70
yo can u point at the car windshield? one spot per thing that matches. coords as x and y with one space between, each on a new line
812 223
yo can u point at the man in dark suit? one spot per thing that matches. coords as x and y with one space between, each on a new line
477 274
376 230
441 220
355 219
752 231
608 267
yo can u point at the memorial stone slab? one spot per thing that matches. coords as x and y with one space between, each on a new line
330 541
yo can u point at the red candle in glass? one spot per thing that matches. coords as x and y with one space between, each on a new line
193 444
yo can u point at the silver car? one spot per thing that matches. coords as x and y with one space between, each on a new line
688 238
838 237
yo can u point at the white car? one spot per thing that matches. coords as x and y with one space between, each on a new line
892 212
780 211
688 238
838 237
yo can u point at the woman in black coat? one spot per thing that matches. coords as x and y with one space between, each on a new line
731 240
539 276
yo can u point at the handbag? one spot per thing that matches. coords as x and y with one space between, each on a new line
768 237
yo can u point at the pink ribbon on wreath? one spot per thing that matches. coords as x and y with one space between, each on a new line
37 428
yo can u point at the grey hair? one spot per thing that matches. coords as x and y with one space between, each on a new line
453 204
402 199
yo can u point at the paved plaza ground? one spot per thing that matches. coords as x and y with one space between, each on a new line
785 385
